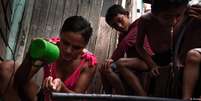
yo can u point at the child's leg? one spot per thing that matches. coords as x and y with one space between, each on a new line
134 64
191 72
111 81
106 86
126 66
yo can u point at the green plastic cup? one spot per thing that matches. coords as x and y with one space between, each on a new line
44 50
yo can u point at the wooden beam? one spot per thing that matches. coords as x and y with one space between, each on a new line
17 13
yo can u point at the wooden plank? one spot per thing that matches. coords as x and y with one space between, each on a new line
50 18
17 14
45 19
32 32
8 5
90 9
117 1
2 20
43 16
35 19
24 31
106 41
57 24
4 25
70 8
5 17
94 17
39 18
84 8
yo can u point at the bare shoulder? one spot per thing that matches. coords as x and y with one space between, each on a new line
147 19
89 69
147 16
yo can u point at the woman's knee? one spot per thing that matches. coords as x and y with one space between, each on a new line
193 56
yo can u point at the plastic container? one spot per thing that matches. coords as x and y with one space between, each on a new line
43 50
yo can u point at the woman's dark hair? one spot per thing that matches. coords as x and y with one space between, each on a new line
164 5
78 24
113 11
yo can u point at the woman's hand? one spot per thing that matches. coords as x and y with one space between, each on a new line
53 84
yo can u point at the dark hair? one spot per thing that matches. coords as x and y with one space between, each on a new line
78 24
113 11
164 5
147 1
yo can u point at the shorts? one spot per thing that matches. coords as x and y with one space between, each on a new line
163 59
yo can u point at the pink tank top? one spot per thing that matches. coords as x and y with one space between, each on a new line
70 82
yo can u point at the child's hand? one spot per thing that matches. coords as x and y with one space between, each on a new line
195 11
57 85
53 84
106 66
155 71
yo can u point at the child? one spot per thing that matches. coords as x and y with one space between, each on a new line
118 18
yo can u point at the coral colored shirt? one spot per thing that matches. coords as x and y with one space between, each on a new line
70 82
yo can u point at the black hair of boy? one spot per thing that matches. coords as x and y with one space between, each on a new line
164 5
113 11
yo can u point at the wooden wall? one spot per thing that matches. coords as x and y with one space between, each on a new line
107 40
43 18
5 13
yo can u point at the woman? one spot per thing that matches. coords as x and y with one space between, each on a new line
71 73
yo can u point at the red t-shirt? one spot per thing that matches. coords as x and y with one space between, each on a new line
127 43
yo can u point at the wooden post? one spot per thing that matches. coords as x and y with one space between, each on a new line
17 13
24 31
